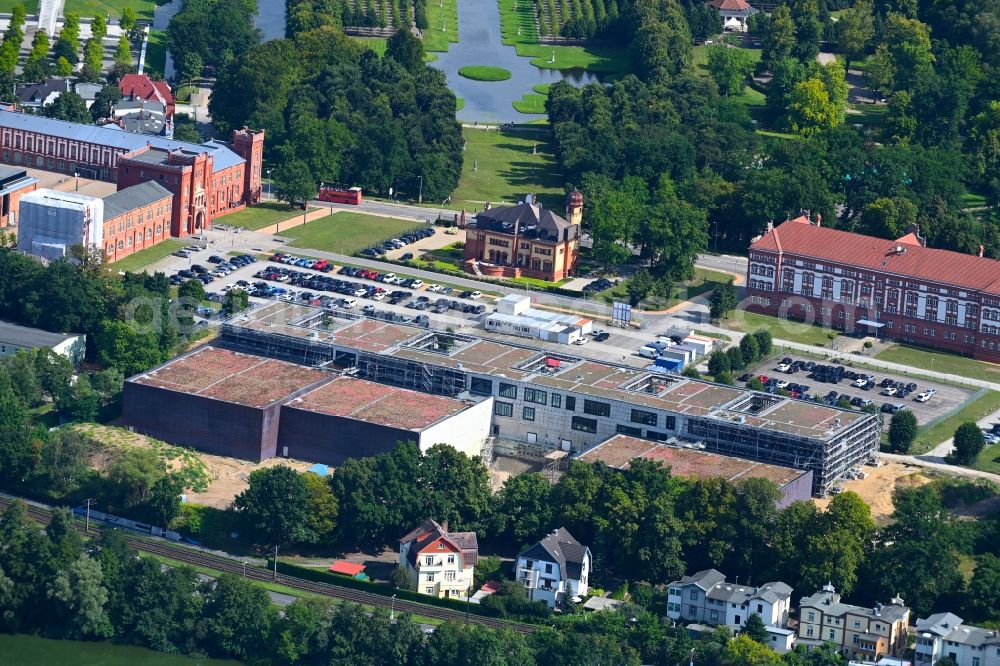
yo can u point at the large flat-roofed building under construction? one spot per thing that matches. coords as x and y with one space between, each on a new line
253 407
554 401
619 451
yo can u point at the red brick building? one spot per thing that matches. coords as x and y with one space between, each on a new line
14 183
898 289
136 218
525 240
207 180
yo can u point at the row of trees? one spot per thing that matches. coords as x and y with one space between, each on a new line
51 584
642 524
334 111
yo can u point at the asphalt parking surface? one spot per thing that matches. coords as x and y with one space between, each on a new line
946 399
619 348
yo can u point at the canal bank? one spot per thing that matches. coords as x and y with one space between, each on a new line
480 43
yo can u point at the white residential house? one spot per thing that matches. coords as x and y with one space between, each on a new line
943 635
440 563
554 567
706 597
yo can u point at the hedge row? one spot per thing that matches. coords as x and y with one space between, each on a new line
381 589
552 289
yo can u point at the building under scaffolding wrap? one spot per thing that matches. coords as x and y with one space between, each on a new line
560 402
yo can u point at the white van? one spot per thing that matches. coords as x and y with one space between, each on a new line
349 303
649 352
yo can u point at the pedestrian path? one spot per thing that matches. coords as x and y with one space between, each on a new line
49 12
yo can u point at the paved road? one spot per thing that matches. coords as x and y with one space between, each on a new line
49 12
919 461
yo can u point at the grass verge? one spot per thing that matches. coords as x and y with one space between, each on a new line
781 329
262 215
598 59
941 429
138 261
347 232
484 73
989 459
517 22
530 103
442 25
940 361
704 280
156 53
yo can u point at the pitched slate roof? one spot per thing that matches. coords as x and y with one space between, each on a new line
525 215
799 237
113 137
25 336
560 547
134 197
706 579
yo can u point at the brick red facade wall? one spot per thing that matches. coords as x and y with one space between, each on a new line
138 229
10 205
842 316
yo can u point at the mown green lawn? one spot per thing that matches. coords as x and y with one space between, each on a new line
441 14
156 53
376 44
501 168
30 6
699 57
781 329
347 232
940 361
989 459
600 59
138 261
530 103
517 22
261 215
89 8
938 431
704 280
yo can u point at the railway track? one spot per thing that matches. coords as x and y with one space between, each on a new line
229 565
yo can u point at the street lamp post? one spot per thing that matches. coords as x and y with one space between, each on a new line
269 185
392 608
420 195
245 568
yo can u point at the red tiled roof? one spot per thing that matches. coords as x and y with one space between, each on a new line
731 5
141 87
347 568
798 237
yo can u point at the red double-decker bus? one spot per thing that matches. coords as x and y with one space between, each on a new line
339 194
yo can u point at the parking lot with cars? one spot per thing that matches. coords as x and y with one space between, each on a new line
827 383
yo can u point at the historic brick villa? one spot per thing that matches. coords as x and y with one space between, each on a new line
525 240
207 180
897 289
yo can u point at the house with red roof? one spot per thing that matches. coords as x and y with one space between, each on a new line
141 88
896 289
734 13
440 563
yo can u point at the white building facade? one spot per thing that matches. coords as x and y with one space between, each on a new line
943 635
555 567
52 222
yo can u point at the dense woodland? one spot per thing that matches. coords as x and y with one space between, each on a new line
670 135
335 111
